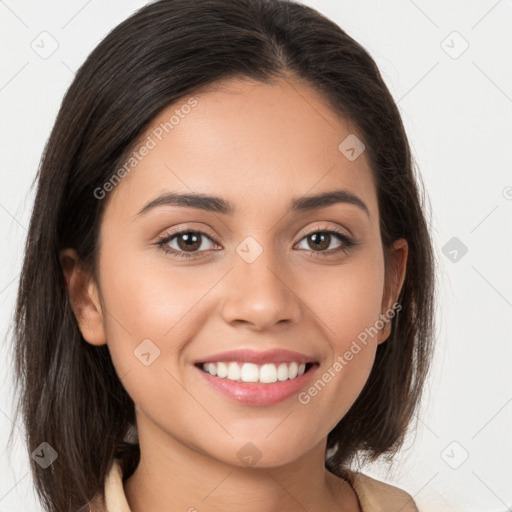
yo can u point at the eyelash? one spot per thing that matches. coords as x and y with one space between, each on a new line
164 240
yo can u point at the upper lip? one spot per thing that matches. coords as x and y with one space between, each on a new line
258 357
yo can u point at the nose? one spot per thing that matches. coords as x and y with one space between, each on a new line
260 294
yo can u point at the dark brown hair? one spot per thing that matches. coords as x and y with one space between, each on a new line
71 396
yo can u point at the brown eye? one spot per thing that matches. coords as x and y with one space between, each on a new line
325 241
319 241
186 243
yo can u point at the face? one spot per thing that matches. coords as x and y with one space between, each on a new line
261 280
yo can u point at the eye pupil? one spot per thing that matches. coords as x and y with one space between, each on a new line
192 241
320 237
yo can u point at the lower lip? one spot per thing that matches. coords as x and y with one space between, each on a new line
257 393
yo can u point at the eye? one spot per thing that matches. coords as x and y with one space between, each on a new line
322 240
187 241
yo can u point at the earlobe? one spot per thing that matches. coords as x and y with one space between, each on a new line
84 298
394 281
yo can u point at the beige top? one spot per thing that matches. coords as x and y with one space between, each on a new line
374 495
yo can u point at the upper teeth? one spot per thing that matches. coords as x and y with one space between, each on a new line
250 372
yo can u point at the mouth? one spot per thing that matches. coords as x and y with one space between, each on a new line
267 373
257 378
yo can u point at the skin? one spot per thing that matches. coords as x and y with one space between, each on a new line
257 146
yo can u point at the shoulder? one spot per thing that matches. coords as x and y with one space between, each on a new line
377 496
96 505
113 499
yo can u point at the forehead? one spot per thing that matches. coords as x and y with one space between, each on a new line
248 142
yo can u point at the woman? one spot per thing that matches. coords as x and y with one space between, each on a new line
227 292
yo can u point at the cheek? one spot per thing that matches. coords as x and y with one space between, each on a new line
154 306
346 304
347 300
144 303
152 314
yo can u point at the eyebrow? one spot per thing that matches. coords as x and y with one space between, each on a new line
219 205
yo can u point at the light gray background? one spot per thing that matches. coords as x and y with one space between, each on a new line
456 104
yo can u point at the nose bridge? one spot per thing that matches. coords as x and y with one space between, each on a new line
256 266
259 293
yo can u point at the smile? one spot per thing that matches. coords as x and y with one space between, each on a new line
249 387
250 372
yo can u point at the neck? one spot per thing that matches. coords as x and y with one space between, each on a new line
174 477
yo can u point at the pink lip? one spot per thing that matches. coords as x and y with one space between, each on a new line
257 393
256 357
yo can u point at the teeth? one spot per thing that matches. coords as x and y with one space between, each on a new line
233 371
293 370
250 372
268 373
222 370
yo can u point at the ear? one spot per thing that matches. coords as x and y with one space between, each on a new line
84 298
394 279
